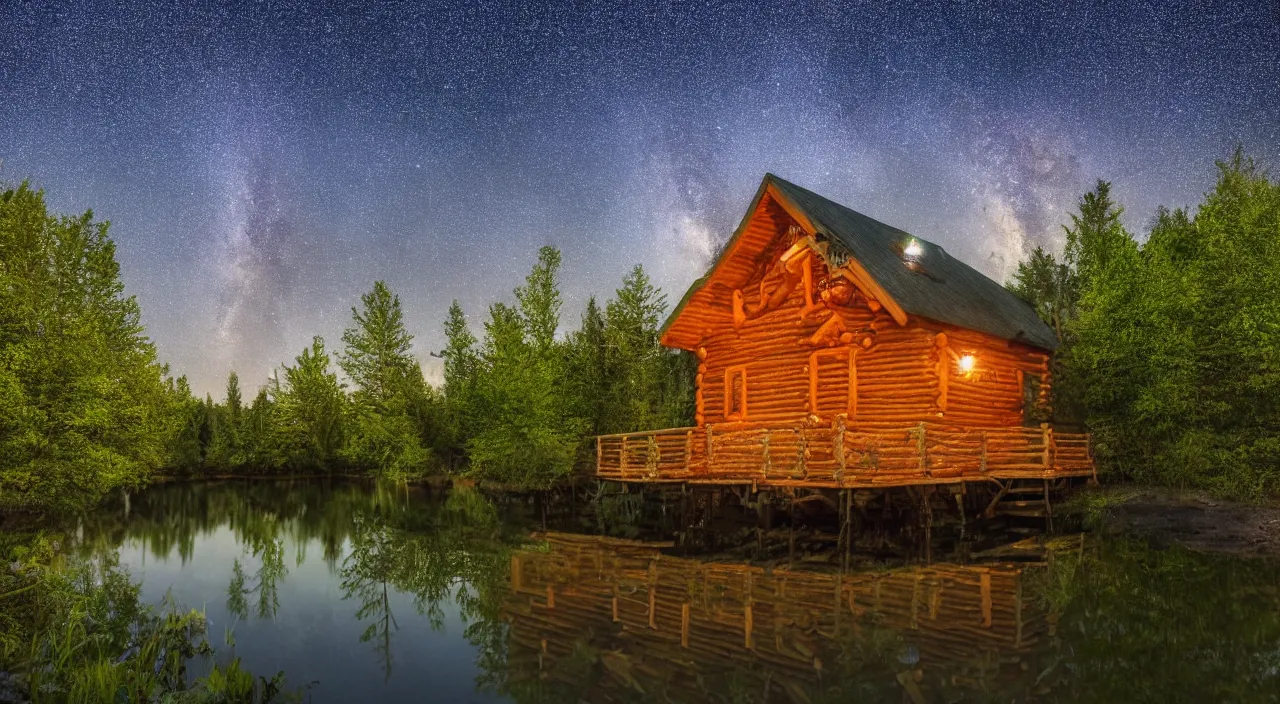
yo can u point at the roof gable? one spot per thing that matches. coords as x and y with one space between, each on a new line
940 287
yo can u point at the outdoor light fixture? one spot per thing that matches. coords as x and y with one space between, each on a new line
912 252
966 363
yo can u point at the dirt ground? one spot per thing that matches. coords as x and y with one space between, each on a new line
1192 519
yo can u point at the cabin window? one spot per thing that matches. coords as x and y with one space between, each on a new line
735 393
833 382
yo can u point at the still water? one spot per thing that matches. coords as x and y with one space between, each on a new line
364 592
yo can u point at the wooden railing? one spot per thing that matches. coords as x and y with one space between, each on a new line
685 619
836 455
655 454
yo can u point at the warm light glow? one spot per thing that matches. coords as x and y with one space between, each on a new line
912 252
966 363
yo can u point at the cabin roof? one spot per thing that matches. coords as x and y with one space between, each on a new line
940 287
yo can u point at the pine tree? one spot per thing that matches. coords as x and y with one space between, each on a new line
225 448
461 367
233 396
637 356
1096 238
590 374
388 417
376 356
309 408
539 300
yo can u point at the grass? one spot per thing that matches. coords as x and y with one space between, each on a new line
75 630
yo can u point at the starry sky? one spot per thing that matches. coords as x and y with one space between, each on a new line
262 163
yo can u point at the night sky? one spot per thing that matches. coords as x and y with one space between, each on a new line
262 163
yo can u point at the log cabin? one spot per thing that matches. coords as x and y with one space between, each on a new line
836 351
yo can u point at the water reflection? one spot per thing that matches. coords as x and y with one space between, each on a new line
605 619
398 592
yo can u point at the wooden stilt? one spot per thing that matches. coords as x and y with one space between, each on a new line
985 588
684 625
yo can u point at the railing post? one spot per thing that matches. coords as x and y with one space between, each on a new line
920 447
982 460
1046 437
622 457
599 455
688 451
652 456
767 462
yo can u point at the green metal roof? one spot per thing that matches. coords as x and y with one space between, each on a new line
940 287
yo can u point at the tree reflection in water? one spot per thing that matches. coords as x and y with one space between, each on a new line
561 616
270 556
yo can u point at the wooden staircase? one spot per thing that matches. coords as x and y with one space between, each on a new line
1021 497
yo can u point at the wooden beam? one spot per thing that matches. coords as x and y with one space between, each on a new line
859 274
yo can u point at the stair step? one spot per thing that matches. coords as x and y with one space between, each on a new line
1024 512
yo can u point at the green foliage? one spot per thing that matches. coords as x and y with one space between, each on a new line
525 403
308 411
525 427
391 413
461 372
1137 624
636 357
1171 347
75 631
591 370
1179 341
83 405
376 358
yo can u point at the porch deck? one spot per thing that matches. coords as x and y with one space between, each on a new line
835 456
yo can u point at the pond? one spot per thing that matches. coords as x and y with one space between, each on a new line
361 591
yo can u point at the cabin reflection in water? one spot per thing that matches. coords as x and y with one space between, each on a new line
676 625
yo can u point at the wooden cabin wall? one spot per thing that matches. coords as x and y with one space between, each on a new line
895 378
992 395
898 377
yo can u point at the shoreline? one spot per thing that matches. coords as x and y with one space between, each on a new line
1193 519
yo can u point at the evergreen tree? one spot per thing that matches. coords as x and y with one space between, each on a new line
539 301
84 407
308 413
637 356
525 429
461 367
388 414
226 448
1096 239
590 375
376 357
1051 287
1174 350
185 452
233 396
260 452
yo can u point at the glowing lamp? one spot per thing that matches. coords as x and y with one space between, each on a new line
966 363
912 252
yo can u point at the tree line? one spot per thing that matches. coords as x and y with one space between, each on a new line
86 407
517 404
1170 356
1170 346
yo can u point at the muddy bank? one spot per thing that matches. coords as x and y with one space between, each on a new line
1192 519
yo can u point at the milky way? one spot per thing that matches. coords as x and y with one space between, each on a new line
263 163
